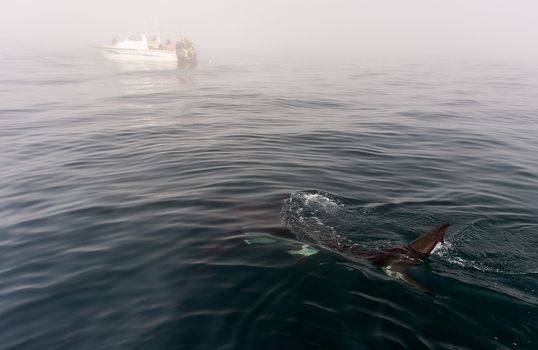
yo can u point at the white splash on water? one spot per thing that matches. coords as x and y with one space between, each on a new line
449 253
442 249
320 199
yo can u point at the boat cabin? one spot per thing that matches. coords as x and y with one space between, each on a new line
150 41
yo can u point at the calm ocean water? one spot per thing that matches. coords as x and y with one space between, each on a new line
126 194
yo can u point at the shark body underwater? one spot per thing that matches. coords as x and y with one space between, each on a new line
394 261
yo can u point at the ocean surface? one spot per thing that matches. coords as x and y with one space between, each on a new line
129 195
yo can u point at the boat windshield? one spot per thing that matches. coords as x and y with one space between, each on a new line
135 37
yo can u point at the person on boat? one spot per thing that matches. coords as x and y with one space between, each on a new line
179 45
179 53
186 55
169 45
191 52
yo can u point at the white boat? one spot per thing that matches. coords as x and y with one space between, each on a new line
139 47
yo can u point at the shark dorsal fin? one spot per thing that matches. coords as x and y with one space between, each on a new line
425 243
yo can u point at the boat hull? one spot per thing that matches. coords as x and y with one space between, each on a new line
122 54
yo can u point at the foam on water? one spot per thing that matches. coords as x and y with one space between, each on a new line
320 199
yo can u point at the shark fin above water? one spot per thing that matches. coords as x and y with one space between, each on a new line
428 241
395 262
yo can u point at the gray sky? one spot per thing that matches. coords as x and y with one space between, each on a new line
453 27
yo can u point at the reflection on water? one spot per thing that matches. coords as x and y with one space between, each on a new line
156 81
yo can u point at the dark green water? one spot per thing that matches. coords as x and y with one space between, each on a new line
126 196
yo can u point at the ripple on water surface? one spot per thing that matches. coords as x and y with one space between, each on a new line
126 197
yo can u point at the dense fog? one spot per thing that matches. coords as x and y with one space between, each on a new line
468 28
